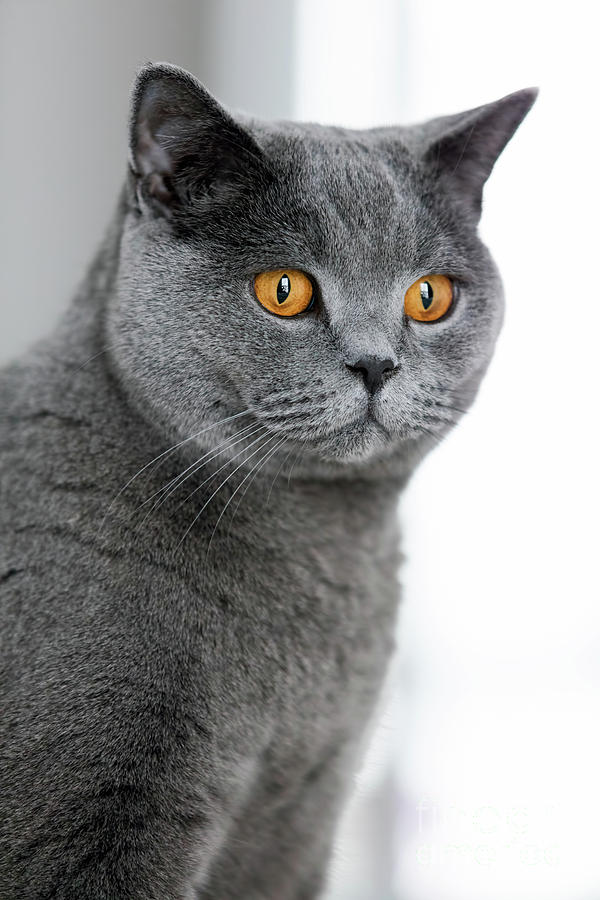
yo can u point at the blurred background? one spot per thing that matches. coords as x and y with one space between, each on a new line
481 782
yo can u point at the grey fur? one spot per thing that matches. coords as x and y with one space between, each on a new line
184 706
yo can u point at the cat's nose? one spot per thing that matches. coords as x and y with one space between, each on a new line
373 369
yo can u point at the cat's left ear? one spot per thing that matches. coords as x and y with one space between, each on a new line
183 144
461 150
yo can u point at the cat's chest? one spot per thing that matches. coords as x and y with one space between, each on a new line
315 620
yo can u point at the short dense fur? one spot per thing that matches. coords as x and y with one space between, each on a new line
185 685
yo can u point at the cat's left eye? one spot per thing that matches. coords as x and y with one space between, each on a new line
285 292
429 298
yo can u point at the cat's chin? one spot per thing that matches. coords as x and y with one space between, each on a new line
359 441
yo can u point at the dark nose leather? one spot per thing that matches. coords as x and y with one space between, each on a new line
373 369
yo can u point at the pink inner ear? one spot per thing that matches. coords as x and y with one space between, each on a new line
158 188
149 155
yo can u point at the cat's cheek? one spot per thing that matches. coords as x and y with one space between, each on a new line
429 335
443 351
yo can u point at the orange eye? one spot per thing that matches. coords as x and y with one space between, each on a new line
429 298
285 292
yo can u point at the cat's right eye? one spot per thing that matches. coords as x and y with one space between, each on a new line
285 292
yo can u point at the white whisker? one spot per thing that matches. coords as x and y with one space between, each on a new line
192 437
282 464
225 464
253 472
208 456
179 480
216 491
301 453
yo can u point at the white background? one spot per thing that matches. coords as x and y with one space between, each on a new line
483 779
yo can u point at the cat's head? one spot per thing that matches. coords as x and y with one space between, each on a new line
327 285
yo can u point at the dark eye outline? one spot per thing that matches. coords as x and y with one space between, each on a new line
455 298
313 300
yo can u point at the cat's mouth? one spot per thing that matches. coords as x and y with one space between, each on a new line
359 439
368 423
357 435
370 417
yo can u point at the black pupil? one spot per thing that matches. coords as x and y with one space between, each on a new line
283 289
426 294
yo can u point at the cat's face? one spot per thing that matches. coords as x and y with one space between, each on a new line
352 378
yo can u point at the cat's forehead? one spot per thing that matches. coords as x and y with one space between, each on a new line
339 163
350 194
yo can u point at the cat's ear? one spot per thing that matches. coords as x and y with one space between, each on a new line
183 144
461 150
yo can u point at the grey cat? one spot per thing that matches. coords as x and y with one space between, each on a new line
199 547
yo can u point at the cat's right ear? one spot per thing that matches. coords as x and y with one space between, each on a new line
183 145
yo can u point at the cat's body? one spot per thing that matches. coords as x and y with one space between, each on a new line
183 706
